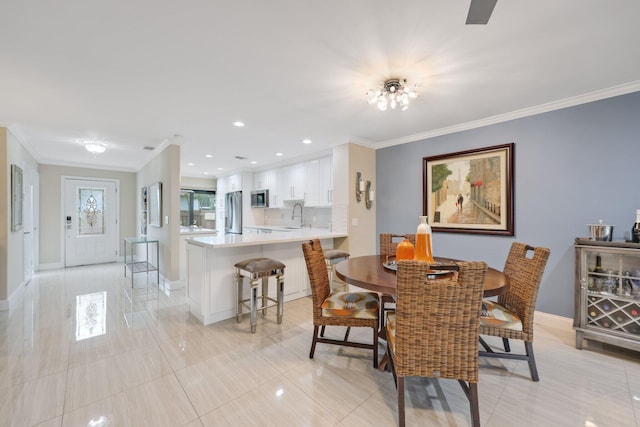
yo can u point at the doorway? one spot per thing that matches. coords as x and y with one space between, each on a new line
90 221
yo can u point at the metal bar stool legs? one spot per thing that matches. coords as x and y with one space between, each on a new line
259 270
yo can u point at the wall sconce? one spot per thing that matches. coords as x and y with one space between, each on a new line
359 187
368 195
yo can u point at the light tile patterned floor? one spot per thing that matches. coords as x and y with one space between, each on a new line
166 369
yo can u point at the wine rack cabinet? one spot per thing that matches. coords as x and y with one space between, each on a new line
607 299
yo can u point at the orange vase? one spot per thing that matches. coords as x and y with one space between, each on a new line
424 251
404 250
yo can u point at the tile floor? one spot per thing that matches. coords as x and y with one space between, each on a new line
68 357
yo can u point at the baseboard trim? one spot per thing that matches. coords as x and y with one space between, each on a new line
50 266
11 302
172 285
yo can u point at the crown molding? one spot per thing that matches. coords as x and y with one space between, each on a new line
525 112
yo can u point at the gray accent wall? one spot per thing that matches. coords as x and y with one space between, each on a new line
572 167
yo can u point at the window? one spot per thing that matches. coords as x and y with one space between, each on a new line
198 207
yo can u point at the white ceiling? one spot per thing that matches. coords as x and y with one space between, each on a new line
139 73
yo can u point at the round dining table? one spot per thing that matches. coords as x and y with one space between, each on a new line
368 272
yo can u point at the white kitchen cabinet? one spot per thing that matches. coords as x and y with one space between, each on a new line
234 182
318 182
326 182
261 181
292 186
312 183
274 179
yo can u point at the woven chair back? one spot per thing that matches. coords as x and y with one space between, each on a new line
437 322
525 274
318 276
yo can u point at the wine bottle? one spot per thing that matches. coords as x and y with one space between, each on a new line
635 230
598 268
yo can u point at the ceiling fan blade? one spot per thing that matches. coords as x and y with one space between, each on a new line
480 11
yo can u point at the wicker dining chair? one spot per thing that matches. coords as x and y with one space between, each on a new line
388 245
350 309
511 317
434 329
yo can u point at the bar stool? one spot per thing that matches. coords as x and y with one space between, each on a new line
331 258
255 269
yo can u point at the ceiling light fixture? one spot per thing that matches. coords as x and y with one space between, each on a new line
306 141
392 93
238 124
95 147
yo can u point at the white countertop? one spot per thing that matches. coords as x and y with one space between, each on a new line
190 231
253 239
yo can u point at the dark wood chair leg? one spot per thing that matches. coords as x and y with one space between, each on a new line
473 404
375 347
401 421
505 343
313 343
346 334
528 346
390 362
322 331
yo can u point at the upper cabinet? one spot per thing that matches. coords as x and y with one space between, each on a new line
292 186
235 182
318 183
310 181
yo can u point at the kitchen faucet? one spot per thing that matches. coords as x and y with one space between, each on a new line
293 213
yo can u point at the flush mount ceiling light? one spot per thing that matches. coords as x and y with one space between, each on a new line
392 93
95 147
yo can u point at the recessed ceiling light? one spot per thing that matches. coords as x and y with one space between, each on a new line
206 173
191 164
208 155
253 162
279 154
219 169
306 141
238 124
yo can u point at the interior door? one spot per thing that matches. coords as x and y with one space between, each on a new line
90 222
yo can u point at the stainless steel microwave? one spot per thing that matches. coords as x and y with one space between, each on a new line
260 199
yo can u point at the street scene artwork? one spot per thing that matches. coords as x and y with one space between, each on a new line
470 191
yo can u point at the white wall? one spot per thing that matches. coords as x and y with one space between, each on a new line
51 221
164 168
11 242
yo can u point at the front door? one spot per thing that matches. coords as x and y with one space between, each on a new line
90 221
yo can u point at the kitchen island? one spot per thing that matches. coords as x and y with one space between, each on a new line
210 260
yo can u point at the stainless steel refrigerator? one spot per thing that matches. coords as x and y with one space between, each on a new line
233 212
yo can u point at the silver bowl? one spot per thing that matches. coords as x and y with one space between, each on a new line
601 232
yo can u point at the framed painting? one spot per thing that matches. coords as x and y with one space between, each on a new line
155 204
470 191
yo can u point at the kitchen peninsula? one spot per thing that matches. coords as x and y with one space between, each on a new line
210 261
